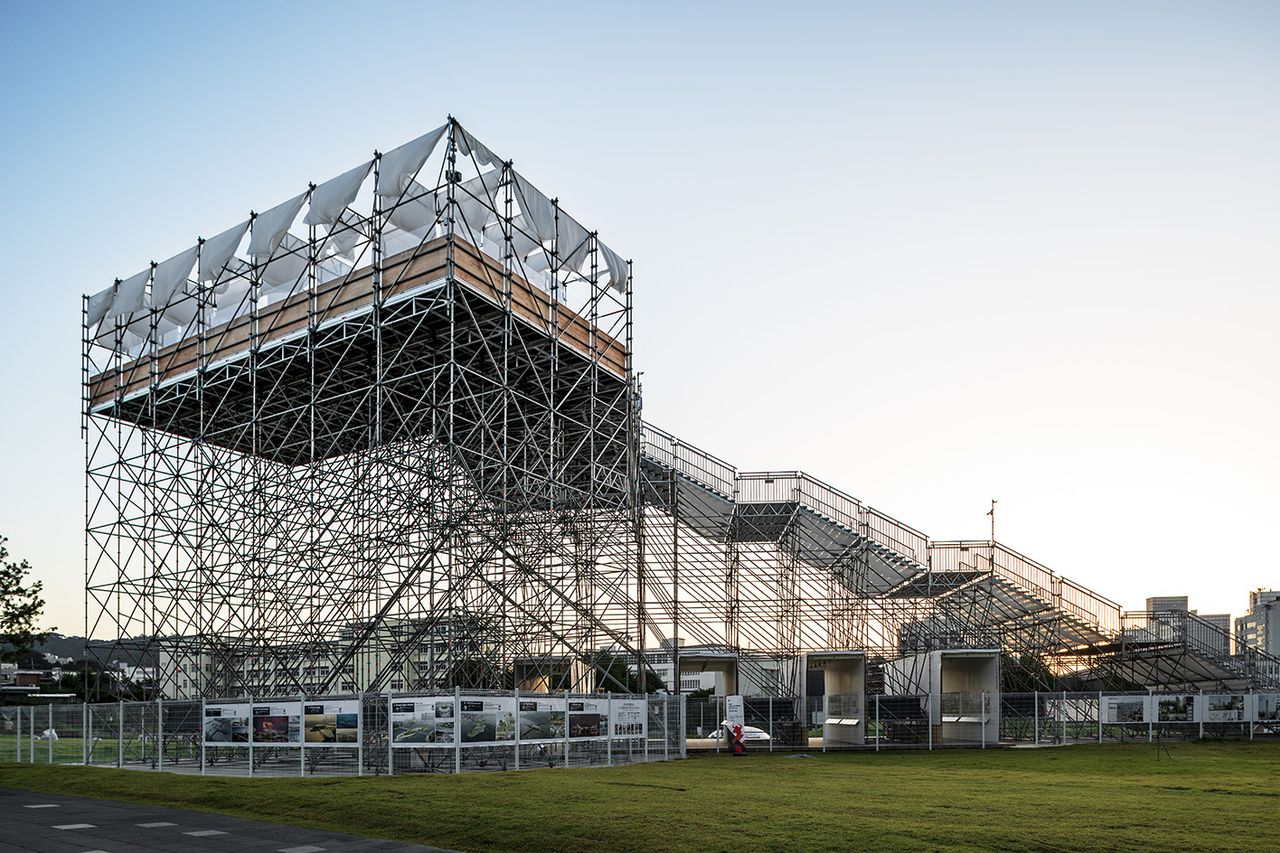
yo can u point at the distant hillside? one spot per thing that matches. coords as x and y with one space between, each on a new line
73 647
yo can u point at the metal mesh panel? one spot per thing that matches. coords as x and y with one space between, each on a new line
104 734
68 738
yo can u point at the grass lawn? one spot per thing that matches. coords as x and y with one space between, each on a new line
1213 795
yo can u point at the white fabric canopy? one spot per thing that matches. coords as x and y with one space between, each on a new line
269 227
572 244
171 276
218 251
335 195
289 264
182 312
521 244
537 208
131 295
99 303
418 211
399 165
469 145
346 235
617 267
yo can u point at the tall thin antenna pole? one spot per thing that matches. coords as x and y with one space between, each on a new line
992 512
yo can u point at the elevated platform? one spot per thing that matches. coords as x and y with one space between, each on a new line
263 365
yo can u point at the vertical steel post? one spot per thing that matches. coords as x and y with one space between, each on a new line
1064 716
982 715
928 705
84 731
879 737
31 736
159 734
250 735
49 733
666 731
457 731
566 729
1035 710
771 724
1151 712
1253 705
18 739
608 745
302 736
201 736
1099 717
1200 712
517 695
360 735
120 735
391 755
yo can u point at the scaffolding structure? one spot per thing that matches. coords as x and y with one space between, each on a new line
390 444
395 443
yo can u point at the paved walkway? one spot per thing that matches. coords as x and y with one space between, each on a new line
51 823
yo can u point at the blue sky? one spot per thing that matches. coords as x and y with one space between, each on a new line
933 253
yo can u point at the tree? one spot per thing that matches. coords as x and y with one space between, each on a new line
20 607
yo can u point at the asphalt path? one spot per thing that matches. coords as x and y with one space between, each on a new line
52 823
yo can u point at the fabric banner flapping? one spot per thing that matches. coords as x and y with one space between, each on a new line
217 251
269 227
399 165
335 195
171 276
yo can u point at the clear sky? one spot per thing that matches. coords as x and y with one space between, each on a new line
932 253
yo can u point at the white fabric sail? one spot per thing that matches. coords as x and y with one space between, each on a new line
182 312
419 210
269 227
538 209
218 251
289 264
335 195
398 166
572 243
345 235
131 295
617 267
171 276
468 145
99 304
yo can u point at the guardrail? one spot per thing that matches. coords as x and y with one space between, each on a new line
1202 638
696 464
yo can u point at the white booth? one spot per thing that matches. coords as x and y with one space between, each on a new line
844 696
963 686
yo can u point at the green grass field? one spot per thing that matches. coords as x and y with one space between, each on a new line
1211 795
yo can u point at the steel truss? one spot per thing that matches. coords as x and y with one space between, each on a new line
422 466
418 473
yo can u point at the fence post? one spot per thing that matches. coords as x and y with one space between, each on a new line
1099 716
1035 700
159 734
566 729
720 733
517 695
982 715
608 744
360 735
120 735
879 736
50 733
250 735
928 705
666 730
84 733
771 724
18 737
684 725
457 732
302 736
31 736
1151 712
200 734
1253 704
1064 717
391 764
1200 712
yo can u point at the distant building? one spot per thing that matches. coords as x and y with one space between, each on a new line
1260 627
1167 604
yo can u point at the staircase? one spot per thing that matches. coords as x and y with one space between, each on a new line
1180 650
824 527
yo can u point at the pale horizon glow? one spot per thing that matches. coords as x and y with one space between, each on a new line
930 253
